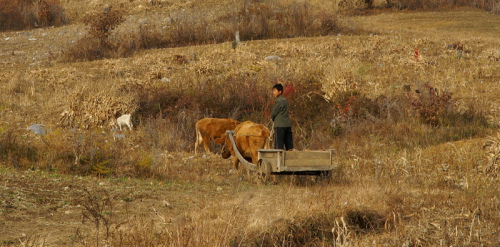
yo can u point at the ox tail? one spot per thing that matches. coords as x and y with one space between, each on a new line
197 141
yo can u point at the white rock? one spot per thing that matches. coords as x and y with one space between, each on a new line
273 57
38 129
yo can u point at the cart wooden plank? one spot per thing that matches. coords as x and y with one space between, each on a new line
307 159
291 161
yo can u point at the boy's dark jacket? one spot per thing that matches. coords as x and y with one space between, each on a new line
279 114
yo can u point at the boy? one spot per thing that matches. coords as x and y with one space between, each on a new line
282 125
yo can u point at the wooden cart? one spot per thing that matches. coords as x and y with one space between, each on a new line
281 162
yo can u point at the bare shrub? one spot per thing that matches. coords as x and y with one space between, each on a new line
352 105
96 44
15 152
364 220
439 108
87 48
98 208
100 25
149 38
430 104
329 24
22 14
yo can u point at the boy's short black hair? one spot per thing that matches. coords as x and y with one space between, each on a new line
278 87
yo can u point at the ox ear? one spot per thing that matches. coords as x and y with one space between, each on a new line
221 139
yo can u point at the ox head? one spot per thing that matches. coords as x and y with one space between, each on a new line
227 147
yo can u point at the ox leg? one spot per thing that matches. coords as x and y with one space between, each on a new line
201 139
206 142
236 163
255 160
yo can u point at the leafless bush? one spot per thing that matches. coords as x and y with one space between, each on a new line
98 208
22 14
431 104
15 152
96 44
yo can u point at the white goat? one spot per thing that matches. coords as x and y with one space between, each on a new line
124 120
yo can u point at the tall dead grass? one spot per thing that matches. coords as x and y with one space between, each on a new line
253 20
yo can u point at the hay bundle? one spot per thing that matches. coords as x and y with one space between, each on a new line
87 108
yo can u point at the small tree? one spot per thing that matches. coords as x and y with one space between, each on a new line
102 24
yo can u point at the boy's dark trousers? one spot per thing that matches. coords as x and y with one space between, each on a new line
283 138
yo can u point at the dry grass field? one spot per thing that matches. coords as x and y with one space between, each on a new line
408 99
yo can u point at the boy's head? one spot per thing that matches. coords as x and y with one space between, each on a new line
277 90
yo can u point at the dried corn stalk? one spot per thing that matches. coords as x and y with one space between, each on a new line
492 146
86 109
492 54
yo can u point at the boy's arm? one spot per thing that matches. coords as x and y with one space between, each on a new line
276 109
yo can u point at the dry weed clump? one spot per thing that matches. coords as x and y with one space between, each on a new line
23 14
310 230
489 5
99 153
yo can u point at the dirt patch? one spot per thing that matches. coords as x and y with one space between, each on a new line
55 210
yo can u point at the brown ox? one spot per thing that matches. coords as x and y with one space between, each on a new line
210 128
249 137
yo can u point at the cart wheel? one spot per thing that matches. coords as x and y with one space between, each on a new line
264 171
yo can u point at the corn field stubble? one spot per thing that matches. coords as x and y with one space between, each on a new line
399 179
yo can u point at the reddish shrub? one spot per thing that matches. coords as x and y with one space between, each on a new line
431 105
